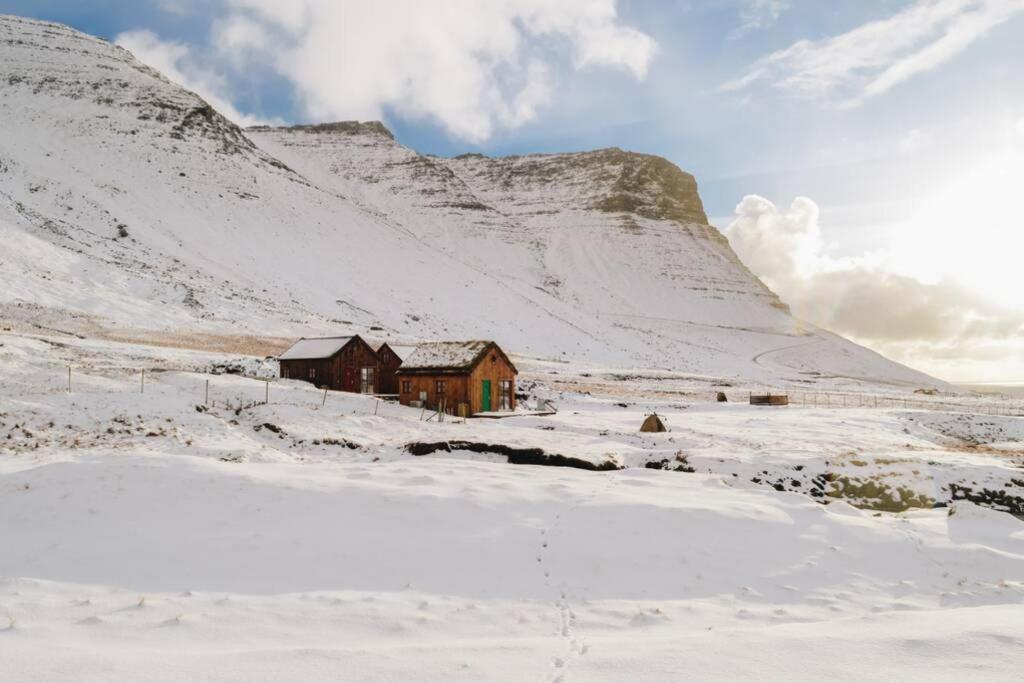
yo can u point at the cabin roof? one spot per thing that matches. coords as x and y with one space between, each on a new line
403 351
315 348
445 355
448 356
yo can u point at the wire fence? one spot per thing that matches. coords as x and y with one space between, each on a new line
262 390
985 405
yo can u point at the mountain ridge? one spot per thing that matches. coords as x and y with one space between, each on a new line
130 202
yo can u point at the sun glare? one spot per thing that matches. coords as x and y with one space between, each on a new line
971 230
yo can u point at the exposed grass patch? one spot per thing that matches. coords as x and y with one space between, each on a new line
872 494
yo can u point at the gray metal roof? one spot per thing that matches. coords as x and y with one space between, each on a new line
315 349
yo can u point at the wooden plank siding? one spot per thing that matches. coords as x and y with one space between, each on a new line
455 390
495 367
388 364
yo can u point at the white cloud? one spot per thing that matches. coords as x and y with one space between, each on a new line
875 57
756 15
916 140
861 297
473 67
174 61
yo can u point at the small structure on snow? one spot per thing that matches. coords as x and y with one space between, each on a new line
653 423
769 399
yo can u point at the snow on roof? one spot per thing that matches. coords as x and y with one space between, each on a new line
403 351
447 355
307 349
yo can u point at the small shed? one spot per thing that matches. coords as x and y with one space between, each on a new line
769 399
459 377
339 363
653 423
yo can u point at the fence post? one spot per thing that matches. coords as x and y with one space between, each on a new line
142 386
324 402
206 397
69 379
266 394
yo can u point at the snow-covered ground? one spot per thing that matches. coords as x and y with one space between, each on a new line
148 536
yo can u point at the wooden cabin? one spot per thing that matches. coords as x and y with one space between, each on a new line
462 378
390 357
339 363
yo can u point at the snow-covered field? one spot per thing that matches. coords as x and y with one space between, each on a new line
146 536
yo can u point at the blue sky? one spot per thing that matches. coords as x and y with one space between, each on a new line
875 110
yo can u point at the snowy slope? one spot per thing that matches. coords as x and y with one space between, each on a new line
127 203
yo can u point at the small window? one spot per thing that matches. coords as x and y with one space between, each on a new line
312 373
384 356
440 386
406 386
505 394
367 380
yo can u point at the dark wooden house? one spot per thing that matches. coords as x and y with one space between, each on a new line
462 378
339 363
390 357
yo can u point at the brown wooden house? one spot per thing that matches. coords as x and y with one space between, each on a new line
339 363
390 357
466 378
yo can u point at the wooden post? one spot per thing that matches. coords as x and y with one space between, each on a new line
376 406
324 402
206 398
266 393
69 379
142 386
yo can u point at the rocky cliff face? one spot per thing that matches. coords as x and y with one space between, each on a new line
127 202
631 213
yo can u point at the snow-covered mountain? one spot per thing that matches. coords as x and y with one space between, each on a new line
127 203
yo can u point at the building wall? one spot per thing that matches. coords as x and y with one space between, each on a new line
389 363
353 356
326 371
456 390
495 368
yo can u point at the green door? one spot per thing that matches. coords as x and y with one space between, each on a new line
486 406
